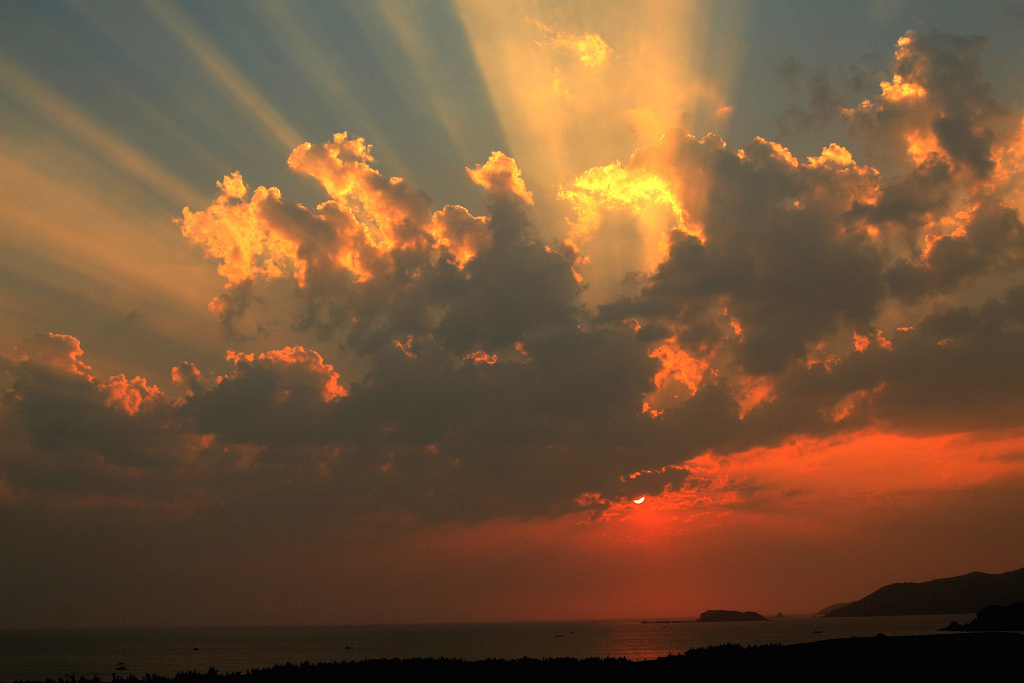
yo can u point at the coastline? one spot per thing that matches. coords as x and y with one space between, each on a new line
879 656
36 655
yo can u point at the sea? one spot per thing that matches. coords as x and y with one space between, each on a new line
48 654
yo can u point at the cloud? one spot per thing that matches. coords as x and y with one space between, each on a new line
991 237
937 103
501 175
824 90
277 396
589 49
232 230
774 251
57 351
700 300
79 441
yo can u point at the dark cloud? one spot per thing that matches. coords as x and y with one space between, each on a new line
937 89
778 309
790 71
823 103
232 306
776 255
992 238
906 204
954 371
68 434
824 92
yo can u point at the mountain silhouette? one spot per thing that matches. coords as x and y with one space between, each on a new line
955 595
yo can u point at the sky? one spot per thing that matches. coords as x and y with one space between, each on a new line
347 312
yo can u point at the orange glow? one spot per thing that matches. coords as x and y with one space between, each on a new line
464 234
517 445
862 342
780 152
342 167
259 238
298 365
184 373
846 405
807 486
233 230
734 324
750 392
589 48
482 357
350 260
614 188
833 155
1008 174
899 89
130 396
677 367
58 351
405 347
648 410
871 464
623 218
821 355
500 174
922 145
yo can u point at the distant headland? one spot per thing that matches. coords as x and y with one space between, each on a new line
955 595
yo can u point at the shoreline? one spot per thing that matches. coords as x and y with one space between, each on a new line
879 656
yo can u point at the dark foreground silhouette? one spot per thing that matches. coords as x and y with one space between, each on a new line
979 655
994 618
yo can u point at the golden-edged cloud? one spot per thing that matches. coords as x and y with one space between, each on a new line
491 369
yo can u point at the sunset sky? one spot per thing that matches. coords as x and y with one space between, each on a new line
344 312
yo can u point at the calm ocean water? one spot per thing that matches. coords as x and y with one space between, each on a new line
41 654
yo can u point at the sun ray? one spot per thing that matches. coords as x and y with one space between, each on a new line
249 99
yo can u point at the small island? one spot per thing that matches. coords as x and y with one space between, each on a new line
716 615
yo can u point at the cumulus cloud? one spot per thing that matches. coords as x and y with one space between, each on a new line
937 103
758 298
501 175
71 436
774 254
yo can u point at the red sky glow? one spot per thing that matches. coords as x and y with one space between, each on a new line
461 311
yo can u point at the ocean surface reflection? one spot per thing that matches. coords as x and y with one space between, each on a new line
41 654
